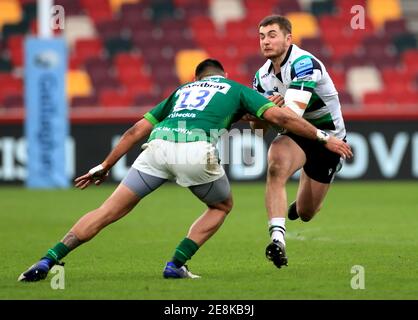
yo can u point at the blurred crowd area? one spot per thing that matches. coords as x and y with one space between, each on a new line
125 53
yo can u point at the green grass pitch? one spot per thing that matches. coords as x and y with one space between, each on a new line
373 225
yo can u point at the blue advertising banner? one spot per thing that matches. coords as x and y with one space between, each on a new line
46 121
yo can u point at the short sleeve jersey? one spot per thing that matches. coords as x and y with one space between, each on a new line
204 109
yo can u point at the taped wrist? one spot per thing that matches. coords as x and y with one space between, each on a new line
95 170
322 136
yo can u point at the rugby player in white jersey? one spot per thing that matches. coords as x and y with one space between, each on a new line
297 80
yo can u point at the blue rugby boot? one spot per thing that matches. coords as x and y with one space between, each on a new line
172 272
38 271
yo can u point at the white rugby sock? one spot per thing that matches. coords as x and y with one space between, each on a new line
277 229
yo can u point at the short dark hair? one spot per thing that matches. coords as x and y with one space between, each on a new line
284 23
209 67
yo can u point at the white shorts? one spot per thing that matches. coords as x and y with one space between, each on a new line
188 163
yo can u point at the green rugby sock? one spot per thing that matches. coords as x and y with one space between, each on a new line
58 252
184 251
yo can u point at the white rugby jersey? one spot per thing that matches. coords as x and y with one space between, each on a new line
302 71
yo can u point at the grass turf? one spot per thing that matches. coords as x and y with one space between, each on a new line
369 224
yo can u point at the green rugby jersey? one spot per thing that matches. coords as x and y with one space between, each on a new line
204 109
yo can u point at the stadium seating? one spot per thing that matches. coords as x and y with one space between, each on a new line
87 102
135 51
226 10
10 86
363 79
115 5
304 25
381 12
78 84
77 27
10 12
186 60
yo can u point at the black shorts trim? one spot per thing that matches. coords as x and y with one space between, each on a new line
321 164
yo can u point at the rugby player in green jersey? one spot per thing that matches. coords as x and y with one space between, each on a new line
300 80
182 132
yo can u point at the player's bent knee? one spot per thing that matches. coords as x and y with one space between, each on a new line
306 214
225 206
305 218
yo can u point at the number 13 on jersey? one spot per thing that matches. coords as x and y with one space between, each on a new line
193 99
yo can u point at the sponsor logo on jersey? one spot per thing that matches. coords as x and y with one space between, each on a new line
222 87
303 67
182 115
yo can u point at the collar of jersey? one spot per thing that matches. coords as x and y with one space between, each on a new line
289 51
210 77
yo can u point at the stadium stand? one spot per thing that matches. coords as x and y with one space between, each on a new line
186 60
78 84
132 52
304 25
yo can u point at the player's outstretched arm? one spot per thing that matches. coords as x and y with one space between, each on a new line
99 173
256 123
287 119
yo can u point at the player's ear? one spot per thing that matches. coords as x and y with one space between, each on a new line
226 75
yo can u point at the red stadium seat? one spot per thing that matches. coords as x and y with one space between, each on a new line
338 77
344 6
115 98
10 86
146 99
194 8
410 59
316 46
285 7
72 7
406 97
15 46
89 101
379 98
343 47
204 30
13 101
98 10
88 48
177 34
397 76
331 27
254 62
395 27
109 29
257 10
126 60
128 76
346 99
